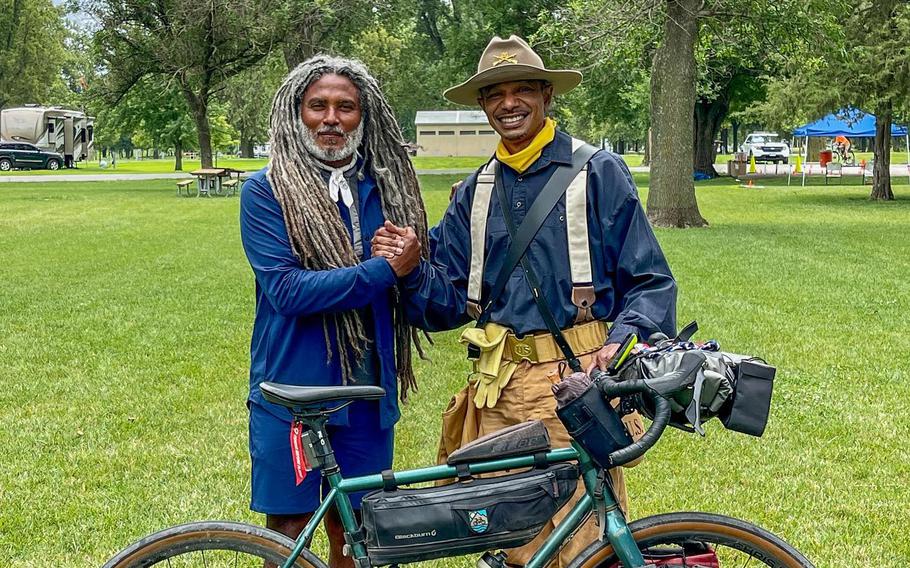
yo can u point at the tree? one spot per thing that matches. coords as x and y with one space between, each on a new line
701 57
671 195
153 113
196 46
31 48
873 71
247 98
866 65
320 26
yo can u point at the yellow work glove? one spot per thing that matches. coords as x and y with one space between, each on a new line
491 374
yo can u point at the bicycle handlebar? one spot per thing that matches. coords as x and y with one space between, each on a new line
612 388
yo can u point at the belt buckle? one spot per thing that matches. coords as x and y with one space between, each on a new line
523 348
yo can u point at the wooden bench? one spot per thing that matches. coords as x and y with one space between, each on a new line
184 187
229 187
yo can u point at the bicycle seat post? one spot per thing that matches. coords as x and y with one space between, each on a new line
317 440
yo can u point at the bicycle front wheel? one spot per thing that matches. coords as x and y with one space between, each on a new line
212 545
735 542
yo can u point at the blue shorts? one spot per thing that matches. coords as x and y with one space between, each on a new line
361 448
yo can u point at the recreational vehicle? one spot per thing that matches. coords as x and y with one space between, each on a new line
56 129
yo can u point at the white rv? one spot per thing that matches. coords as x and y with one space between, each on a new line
65 131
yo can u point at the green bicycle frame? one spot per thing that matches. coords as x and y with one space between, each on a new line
616 530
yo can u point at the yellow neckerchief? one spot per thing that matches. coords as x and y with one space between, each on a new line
522 160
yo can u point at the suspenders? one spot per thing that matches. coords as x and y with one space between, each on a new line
576 233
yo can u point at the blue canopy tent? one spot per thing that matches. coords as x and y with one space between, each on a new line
849 122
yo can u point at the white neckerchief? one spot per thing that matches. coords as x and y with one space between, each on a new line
338 184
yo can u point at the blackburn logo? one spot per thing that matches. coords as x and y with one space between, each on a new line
479 520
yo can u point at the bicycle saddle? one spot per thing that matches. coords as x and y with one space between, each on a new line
292 396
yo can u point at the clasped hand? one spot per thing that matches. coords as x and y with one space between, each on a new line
400 246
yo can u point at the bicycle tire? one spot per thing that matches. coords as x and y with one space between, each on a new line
258 544
731 534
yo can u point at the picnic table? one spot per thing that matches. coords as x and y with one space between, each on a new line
215 181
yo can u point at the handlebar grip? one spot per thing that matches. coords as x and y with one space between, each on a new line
612 389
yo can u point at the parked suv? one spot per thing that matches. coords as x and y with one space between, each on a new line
23 155
766 147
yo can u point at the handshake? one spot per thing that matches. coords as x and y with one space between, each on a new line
400 246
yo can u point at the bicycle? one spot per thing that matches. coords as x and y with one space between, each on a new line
842 156
215 543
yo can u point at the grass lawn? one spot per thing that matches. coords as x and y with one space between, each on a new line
124 335
167 165
248 164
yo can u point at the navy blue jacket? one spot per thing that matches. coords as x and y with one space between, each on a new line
633 284
288 344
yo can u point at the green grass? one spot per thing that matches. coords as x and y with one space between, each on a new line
124 335
448 162
125 166
167 165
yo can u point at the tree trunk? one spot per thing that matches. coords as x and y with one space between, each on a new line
646 155
671 197
725 139
735 126
246 145
199 108
303 42
709 115
620 147
178 157
881 149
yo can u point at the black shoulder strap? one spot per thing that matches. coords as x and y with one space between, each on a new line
553 190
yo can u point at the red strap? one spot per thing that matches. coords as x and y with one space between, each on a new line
300 464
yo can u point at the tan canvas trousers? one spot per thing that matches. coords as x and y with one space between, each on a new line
528 396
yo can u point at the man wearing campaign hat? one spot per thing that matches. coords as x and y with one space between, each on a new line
593 271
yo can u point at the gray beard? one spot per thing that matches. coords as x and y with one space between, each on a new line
352 141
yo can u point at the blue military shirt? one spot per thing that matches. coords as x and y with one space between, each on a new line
633 284
288 343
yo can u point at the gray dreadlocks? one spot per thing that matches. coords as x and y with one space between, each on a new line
318 236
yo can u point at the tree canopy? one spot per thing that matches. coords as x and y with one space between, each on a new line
31 48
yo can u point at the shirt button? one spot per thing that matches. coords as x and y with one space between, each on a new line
562 218
518 204
520 178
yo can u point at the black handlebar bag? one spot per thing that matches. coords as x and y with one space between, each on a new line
411 525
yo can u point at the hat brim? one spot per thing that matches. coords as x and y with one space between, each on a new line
563 81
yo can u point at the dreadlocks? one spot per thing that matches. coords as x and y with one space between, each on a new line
318 236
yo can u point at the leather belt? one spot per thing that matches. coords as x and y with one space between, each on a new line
542 348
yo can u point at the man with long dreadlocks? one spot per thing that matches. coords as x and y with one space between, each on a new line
326 312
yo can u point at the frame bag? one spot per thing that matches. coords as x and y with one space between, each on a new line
474 515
